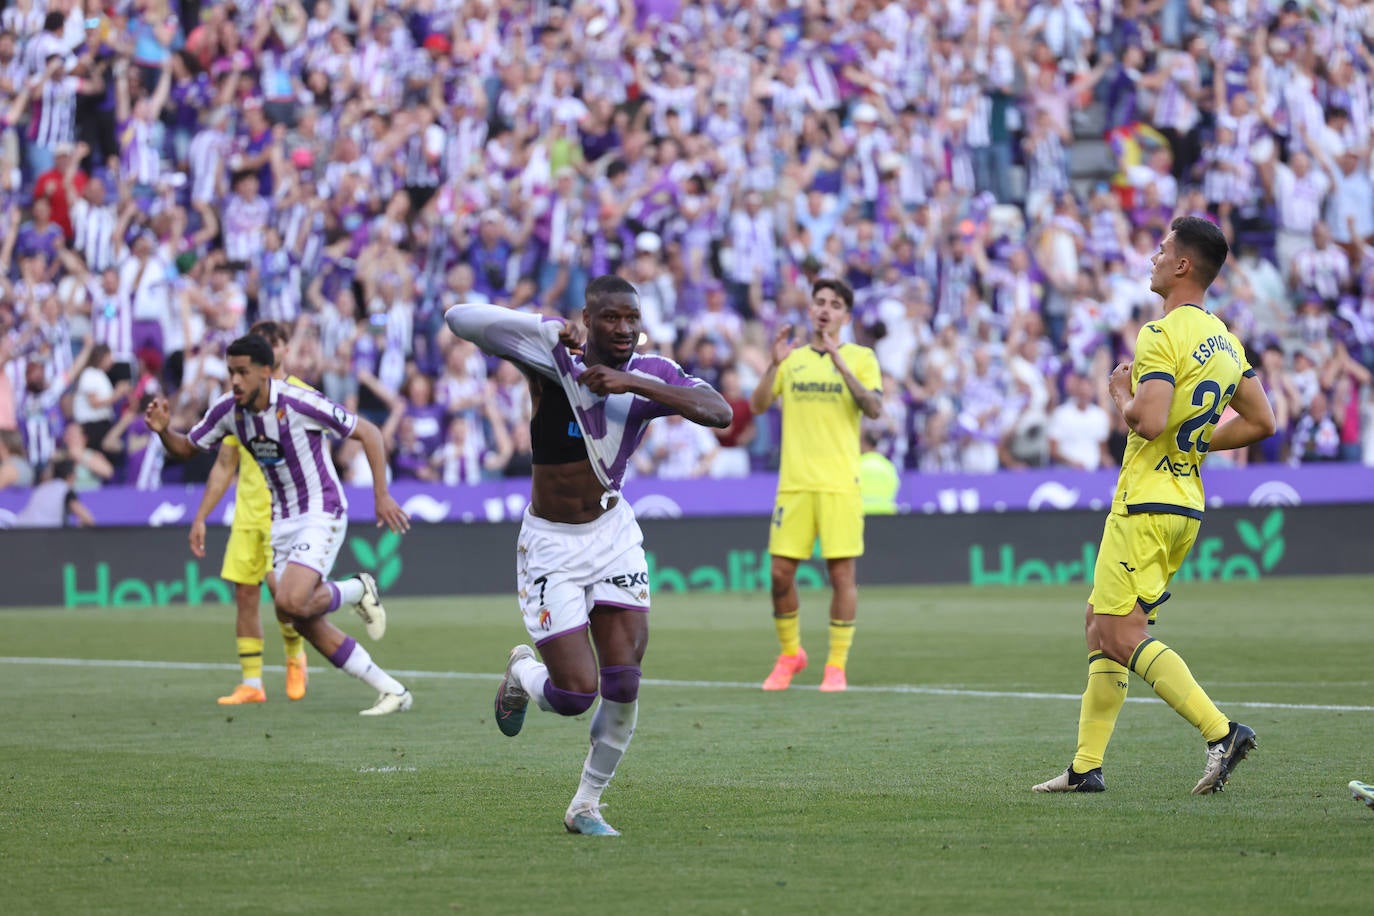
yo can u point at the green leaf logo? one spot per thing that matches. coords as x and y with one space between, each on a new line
383 561
1266 540
387 545
389 572
1249 535
363 553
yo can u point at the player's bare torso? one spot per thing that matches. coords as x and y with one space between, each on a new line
566 493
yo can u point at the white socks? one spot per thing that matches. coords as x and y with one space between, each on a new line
532 676
613 724
350 591
359 664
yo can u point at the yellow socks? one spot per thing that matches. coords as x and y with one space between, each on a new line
293 641
789 632
250 660
841 638
1102 701
1163 669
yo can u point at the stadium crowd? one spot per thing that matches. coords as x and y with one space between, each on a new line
172 171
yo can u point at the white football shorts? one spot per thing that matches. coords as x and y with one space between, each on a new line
312 540
562 571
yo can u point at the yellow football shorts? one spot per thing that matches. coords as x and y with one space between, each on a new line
248 557
1138 557
799 517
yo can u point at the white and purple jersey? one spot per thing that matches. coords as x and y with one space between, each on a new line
288 442
611 425
112 321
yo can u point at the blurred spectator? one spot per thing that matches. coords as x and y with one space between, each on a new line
410 458
54 501
426 417
135 448
92 468
459 460
93 406
61 185
1316 437
993 182
1079 429
15 470
878 478
732 459
677 450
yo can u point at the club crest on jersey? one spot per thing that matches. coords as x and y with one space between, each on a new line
281 414
545 619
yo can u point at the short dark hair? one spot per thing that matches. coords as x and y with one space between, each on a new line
1202 242
274 331
255 347
98 352
838 287
607 285
63 467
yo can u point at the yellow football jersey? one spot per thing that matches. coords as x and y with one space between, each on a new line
252 502
1202 359
820 418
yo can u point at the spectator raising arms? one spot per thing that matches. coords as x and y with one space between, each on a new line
353 171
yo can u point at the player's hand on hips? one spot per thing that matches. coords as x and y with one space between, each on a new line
197 538
158 415
391 515
605 380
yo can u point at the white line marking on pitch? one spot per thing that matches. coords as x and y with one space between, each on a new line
656 682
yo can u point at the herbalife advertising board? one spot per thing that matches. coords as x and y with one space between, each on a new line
125 568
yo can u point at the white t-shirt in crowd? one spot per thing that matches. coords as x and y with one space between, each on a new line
92 385
1079 434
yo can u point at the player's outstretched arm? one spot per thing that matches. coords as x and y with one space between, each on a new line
1254 421
159 417
389 513
508 334
226 463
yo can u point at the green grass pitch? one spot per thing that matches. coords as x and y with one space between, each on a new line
126 789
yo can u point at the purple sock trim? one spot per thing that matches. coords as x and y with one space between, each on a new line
620 683
341 654
335 598
565 702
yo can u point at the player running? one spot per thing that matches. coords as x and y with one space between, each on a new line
284 428
580 563
248 555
